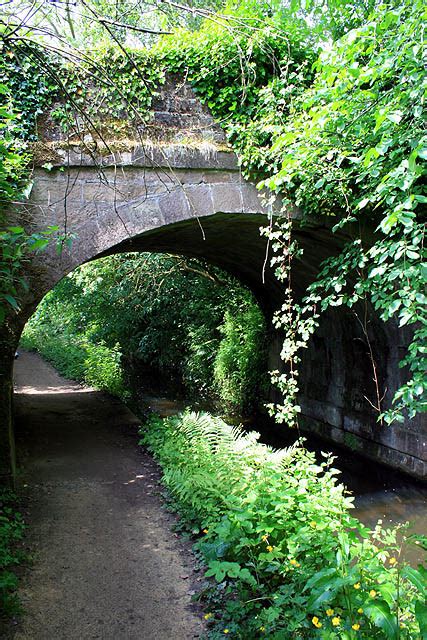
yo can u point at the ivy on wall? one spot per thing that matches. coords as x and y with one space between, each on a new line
354 149
25 91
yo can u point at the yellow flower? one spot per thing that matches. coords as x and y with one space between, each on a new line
355 626
335 621
357 585
264 538
313 524
208 616
262 629
315 621
392 561
329 612
372 593
205 530
360 610
269 547
294 563
226 631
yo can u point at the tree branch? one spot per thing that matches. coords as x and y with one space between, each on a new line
115 23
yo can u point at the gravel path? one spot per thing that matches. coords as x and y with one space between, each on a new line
106 563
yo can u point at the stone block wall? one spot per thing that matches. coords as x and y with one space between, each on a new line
338 391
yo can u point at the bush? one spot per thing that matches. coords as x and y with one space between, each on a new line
11 531
239 358
286 558
76 358
103 369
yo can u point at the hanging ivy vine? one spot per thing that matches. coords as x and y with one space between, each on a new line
354 149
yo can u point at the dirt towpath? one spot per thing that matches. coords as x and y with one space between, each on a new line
106 563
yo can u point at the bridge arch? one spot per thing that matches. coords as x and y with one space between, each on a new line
184 193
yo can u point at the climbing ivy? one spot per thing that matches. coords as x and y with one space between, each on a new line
353 149
24 85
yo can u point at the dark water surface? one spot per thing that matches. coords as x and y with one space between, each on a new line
380 492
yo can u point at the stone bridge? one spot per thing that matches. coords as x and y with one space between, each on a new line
175 186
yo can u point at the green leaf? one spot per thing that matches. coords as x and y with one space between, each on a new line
421 617
417 579
320 578
362 204
12 301
395 116
41 243
412 254
380 614
394 306
326 596
17 230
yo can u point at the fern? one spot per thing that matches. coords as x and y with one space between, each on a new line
207 462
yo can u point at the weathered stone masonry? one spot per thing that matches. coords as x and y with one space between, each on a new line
176 187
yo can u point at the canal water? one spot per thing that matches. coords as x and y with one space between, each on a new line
380 492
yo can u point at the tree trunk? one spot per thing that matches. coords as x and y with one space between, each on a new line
8 343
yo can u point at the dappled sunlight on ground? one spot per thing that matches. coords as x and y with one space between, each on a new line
40 390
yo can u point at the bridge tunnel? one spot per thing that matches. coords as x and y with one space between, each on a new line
183 193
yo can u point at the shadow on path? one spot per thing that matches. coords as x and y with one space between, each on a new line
107 565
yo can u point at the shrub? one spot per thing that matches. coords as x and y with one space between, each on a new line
77 358
239 358
287 557
11 531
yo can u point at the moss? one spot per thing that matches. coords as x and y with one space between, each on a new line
50 152
44 152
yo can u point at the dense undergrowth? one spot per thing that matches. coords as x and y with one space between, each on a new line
11 532
285 556
189 324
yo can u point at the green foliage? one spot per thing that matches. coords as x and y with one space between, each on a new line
12 160
276 534
110 92
239 358
189 322
30 75
77 358
15 248
24 84
354 149
11 531
246 74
